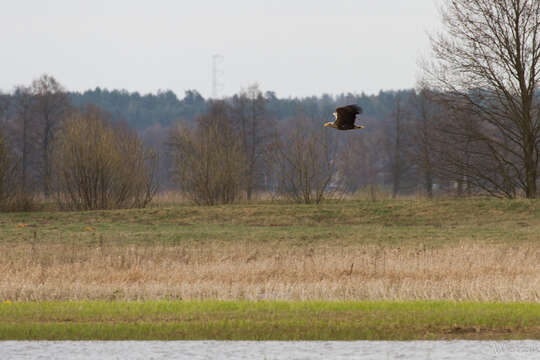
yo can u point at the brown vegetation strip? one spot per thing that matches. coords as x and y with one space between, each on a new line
270 271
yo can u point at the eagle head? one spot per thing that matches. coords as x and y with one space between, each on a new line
330 124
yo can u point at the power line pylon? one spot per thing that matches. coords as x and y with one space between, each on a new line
217 74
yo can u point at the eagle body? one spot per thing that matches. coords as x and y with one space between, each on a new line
345 117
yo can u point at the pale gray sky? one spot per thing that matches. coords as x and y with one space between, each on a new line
293 47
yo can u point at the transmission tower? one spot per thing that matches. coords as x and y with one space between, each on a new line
217 74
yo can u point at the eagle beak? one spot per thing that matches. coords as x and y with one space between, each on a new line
326 124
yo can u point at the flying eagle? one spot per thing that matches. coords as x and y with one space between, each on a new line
345 117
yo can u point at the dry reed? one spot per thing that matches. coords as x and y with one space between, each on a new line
264 271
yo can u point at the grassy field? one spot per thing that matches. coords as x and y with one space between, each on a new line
194 320
399 255
476 250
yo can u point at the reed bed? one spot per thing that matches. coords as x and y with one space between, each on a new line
242 270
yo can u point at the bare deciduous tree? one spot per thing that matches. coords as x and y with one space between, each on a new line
360 162
8 180
248 110
397 144
24 139
50 106
423 136
155 138
101 166
486 69
210 164
304 161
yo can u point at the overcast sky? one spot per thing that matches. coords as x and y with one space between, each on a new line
292 47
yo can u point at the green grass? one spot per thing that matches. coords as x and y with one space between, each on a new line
397 222
220 320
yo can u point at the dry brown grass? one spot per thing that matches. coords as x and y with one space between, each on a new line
477 249
243 270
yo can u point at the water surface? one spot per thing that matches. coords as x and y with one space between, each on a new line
421 350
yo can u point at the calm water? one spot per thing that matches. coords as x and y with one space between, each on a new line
422 350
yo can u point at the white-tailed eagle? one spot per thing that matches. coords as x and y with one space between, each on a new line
345 117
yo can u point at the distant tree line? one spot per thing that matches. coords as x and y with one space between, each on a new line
87 158
215 151
143 111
